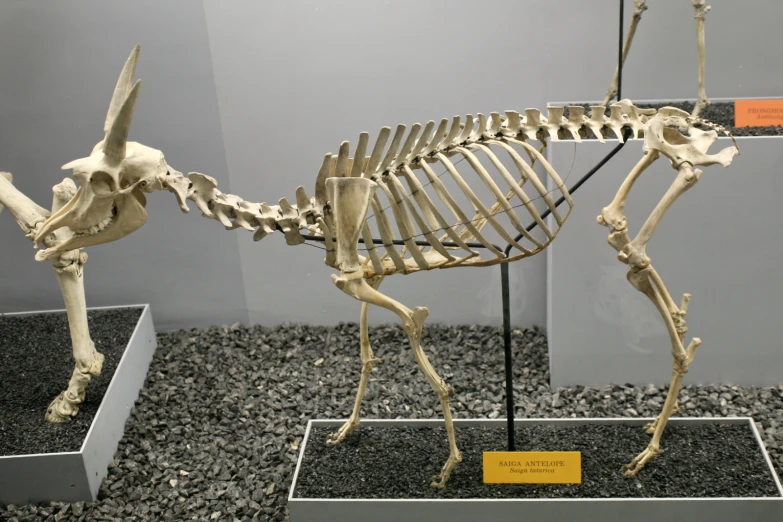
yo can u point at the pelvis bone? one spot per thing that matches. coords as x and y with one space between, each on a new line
662 136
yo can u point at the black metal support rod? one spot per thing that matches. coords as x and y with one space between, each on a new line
504 278
509 363
418 242
531 226
511 432
620 53
545 214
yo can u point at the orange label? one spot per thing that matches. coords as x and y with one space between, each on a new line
532 467
758 113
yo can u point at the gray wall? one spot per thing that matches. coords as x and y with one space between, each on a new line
717 242
254 93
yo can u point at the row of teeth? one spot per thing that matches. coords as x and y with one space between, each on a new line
93 229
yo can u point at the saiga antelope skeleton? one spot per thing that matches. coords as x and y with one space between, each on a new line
109 204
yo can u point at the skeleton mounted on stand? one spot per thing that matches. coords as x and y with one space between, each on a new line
109 204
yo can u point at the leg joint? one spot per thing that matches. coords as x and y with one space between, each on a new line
369 364
639 279
680 365
635 257
446 393
700 9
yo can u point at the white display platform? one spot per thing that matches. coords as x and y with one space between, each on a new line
747 509
76 476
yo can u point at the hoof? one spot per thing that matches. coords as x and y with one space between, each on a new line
60 410
337 437
439 481
637 464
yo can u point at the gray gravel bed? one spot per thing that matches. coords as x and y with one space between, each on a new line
36 361
710 460
216 431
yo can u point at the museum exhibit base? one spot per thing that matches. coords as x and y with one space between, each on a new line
42 461
711 469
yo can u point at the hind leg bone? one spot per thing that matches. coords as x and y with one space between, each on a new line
644 278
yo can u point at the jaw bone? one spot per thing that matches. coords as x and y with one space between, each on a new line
130 217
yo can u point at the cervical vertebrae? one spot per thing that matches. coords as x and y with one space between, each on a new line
233 212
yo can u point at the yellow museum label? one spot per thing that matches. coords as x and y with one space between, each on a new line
532 467
758 113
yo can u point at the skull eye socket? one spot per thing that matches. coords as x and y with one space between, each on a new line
102 184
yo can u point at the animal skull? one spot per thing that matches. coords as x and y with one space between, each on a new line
110 203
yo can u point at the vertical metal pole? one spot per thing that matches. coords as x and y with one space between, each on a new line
504 266
620 54
507 350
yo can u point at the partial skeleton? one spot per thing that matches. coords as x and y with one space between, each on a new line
494 150
108 205
347 186
700 9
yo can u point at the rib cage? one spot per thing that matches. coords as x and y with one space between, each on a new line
427 207
412 174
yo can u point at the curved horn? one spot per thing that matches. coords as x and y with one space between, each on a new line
117 135
123 87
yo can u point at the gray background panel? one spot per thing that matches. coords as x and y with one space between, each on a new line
255 93
718 242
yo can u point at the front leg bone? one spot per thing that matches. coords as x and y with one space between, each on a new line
69 270
368 362
700 9
640 6
89 362
351 199
26 212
